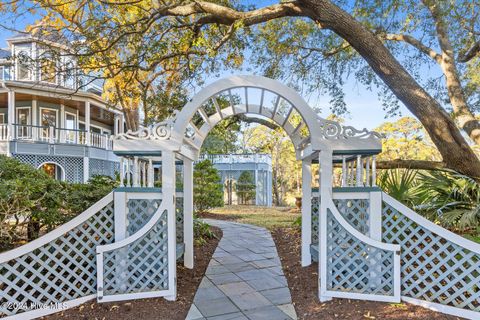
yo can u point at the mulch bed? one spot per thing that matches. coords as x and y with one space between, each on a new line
154 308
303 283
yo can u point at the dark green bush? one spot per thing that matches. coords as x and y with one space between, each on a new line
31 202
246 187
207 190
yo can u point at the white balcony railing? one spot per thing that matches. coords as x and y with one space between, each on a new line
54 135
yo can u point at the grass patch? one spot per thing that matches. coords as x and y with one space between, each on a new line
267 217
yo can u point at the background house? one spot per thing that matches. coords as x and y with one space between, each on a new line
52 114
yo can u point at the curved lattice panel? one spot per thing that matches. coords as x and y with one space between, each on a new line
61 270
139 211
354 266
356 212
140 266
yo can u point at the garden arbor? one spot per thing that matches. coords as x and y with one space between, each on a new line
368 245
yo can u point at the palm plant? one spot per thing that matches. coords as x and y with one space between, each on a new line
401 184
450 198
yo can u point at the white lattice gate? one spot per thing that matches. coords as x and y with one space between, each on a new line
354 265
138 266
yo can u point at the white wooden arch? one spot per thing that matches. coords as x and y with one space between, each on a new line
283 105
185 132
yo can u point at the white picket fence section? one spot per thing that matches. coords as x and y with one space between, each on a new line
58 270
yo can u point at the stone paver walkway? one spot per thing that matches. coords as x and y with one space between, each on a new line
244 279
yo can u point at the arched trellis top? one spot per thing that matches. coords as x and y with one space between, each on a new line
254 96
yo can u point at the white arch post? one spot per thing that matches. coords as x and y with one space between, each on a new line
306 211
188 259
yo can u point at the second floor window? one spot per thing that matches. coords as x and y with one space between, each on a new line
23 67
48 71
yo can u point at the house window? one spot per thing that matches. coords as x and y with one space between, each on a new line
2 68
48 118
23 123
2 118
48 70
70 126
23 67
53 170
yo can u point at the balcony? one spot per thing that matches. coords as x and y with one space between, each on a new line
54 135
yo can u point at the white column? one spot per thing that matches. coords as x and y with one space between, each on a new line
62 133
129 172
87 123
86 169
359 171
122 124
11 114
168 196
135 173
122 171
35 131
344 171
188 213
326 168
115 124
150 174
120 211
367 172
374 171
306 212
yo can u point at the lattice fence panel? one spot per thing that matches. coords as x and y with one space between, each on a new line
433 268
356 212
73 166
141 265
315 210
62 270
354 266
179 219
103 167
139 212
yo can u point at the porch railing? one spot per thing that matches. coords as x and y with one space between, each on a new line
54 135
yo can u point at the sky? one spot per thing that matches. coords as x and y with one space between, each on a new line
365 110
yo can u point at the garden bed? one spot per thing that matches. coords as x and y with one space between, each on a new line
303 284
155 308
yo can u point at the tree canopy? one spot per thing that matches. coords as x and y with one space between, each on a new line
424 54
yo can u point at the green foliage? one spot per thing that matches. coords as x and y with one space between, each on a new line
400 184
451 198
80 196
29 198
445 197
406 138
32 202
297 223
207 190
246 187
202 231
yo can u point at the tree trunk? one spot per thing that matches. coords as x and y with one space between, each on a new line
442 130
465 118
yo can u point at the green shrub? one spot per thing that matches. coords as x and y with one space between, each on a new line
450 198
202 231
31 201
207 190
246 187
81 196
